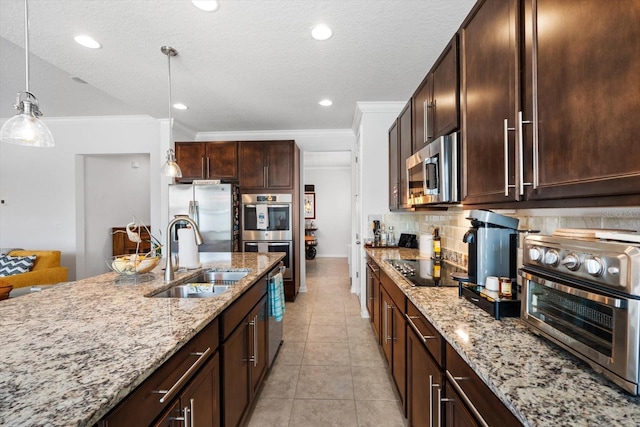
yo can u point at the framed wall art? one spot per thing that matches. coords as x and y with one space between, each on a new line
309 205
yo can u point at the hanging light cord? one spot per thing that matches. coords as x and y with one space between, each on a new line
169 55
26 44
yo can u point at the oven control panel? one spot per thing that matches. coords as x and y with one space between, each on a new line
612 264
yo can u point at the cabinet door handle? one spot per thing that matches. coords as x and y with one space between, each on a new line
208 167
521 155
191 412
415 328
167 393
254 357
386 329
506 130
427 106
454 383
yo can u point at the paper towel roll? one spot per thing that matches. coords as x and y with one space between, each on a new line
426 245
187 249
426 268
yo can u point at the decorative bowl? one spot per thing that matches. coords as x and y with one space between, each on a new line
133 264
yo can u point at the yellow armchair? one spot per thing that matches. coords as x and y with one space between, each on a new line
46 270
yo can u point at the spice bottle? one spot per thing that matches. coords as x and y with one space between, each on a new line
505 287
436 243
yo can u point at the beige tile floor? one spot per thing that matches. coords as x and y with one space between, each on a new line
329 371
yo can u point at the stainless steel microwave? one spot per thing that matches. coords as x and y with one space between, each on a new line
433 173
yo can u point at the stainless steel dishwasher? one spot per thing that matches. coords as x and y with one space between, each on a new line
275 327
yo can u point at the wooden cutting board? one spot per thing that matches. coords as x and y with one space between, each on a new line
620 237
587 233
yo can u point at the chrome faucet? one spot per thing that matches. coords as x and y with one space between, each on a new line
168 270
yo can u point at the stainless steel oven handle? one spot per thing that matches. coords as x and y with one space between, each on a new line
278 244
271 205
601 299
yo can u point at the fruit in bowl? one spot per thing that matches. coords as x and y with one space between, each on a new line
133 264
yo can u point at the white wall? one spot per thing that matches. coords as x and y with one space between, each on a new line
132 198
333 208
43 208
372 122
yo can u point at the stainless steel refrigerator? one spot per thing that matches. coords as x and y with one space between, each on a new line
214 207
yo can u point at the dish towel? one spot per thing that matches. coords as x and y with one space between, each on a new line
276 297
262 217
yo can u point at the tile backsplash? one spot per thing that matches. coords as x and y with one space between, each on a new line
453 223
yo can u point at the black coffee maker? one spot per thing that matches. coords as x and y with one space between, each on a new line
493 246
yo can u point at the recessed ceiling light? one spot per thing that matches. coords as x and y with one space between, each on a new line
180 106
321 32
87 41
325 102
206 5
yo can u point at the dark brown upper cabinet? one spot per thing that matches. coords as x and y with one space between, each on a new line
207 160
436 106
549 102
400 148
581 93
267 165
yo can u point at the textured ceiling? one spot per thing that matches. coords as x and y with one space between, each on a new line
251 65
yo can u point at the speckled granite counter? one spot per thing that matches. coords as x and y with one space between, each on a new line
70 353
542 384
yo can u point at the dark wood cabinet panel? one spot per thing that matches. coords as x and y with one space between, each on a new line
235 373
373 296
222 160
190 156
394 164
488 55
259 336
446 90
143 405
280 167
399 364
207 160
267 165
436 102
253 161
200 401
405 143
424 384
457 413
462 379
422 102
581 90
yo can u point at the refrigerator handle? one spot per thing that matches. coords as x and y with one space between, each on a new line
194 212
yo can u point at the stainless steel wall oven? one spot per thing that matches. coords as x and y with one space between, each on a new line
267 217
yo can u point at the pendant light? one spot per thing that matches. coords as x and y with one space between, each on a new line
26 128
170 168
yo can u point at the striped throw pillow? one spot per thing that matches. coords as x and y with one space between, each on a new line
10 265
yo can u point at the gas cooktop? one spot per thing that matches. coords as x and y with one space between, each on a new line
426 272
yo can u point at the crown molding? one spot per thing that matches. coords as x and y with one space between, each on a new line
273 134
374 107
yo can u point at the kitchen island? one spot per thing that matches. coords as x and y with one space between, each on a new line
540 383
71 353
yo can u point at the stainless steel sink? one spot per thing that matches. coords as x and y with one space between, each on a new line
219 277
193 290
207 284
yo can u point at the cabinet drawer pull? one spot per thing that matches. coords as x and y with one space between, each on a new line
465 399
415 328
167 393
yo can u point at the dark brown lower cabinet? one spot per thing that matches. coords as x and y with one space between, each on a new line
192 373
458 414
199 403
424 384
465 390
245 352
393 333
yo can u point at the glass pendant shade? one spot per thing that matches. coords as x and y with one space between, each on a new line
171 168
26 128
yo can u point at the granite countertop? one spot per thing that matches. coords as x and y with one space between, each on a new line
541 383
70 353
